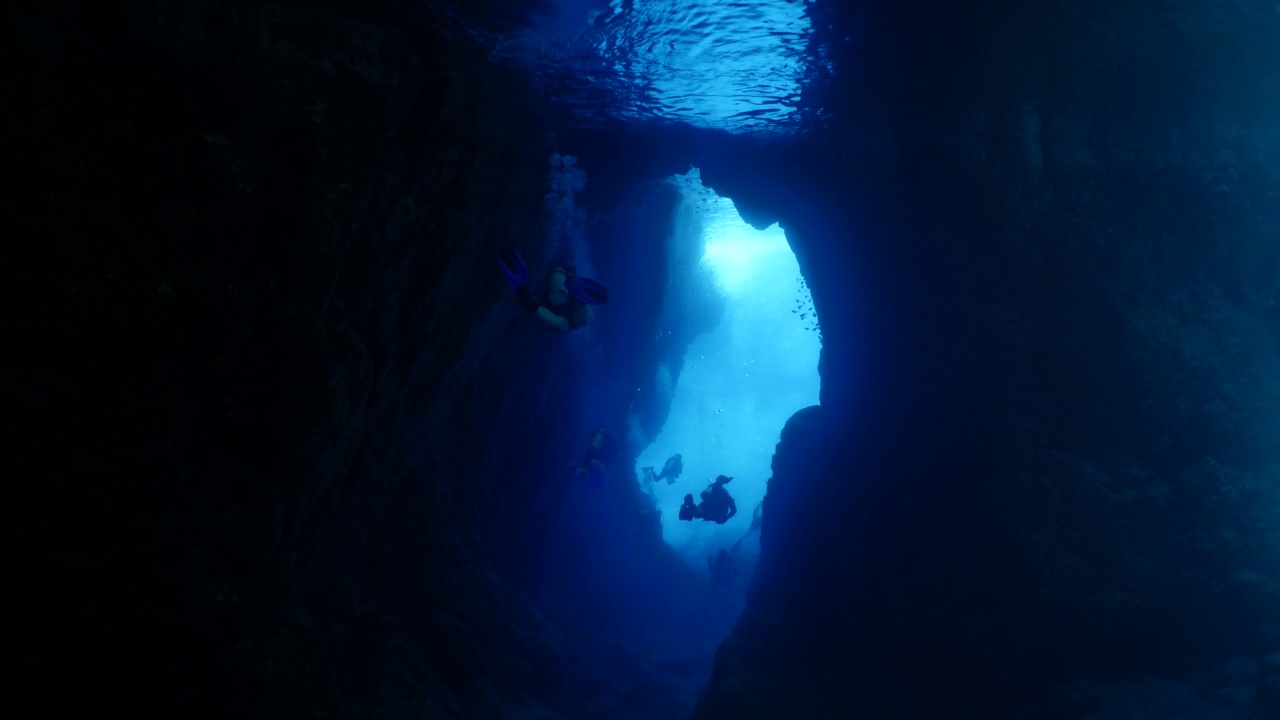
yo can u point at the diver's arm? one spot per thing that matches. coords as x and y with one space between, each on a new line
552 320
733 510
530 302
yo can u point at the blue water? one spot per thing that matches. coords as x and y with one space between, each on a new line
740 382
732 65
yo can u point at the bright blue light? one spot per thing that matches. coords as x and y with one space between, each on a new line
740 382
737 255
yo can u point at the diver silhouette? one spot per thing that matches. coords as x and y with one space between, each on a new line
600 452
671 470
723 570
717 505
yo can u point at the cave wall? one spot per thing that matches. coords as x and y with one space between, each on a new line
1046 449
248 226
281 441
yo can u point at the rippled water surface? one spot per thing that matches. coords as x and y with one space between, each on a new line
736 65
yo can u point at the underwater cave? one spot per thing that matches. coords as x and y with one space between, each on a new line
353 348
738 382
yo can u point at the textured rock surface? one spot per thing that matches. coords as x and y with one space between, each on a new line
1063 407
280 435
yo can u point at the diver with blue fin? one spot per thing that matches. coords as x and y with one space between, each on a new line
562 301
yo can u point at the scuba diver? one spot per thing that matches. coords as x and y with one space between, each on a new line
716 506
671 470
602 450
722 569
757 516
562 301
689 511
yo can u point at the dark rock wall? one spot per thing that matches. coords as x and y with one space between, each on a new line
1047 447
279 439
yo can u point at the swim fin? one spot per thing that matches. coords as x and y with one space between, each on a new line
514 269
587 291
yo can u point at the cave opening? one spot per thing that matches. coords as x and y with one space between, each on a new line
738 382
